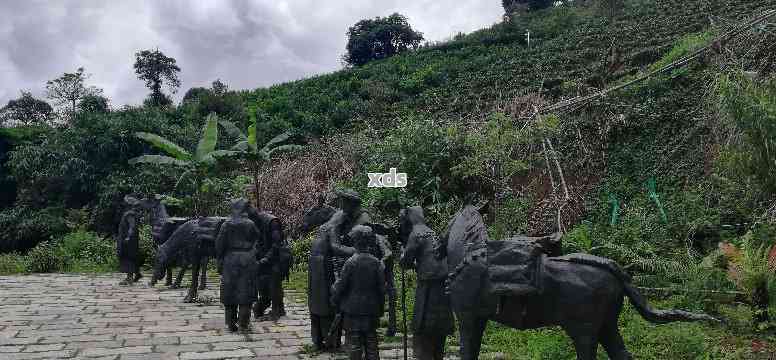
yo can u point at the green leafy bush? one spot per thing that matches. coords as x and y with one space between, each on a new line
43 259
300 249
751 108
12 263
83 251
23 228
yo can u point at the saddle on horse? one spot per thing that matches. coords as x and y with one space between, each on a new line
514 268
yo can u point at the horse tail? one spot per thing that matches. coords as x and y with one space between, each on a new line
660 316
634 296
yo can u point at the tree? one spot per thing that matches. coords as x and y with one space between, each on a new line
157 69
247 149
198 102
197 167
94 104
219 88
513 6
26 110
194 94
380 38
69 88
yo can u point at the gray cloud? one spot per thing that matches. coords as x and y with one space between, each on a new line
247 44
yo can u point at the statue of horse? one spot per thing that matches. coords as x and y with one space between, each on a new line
583 294
315 217
193 242
162 227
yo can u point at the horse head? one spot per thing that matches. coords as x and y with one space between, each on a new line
314 217
156 208
465 233
408 218
159 270
161 227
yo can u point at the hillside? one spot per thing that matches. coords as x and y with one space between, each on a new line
660 129
468 77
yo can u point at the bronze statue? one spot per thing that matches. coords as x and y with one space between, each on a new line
274 264
162 227
325 251
360 293
191 243
235 251
128 244
514 283
332 244
432 319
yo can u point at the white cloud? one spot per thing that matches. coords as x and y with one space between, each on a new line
247 44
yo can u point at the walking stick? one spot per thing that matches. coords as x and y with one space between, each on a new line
404 311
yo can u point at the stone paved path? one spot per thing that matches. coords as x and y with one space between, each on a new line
71 316
53 316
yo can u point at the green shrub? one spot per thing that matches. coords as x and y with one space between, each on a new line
578 239
750 107
43 259
83 251
24 227
147 251
12 263
511 218
300 249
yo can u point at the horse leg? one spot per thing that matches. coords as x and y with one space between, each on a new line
179 278
585 338
168 280
192 295
203 274
612 342
471 329
610 336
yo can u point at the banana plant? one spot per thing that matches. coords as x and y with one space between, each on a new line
197 166
255 157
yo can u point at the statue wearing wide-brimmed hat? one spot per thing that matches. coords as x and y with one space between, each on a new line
328 252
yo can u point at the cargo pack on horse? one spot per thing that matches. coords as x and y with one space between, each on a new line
515 283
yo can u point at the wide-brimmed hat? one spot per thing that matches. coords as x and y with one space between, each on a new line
348 194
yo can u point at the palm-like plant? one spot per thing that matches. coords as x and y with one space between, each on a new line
197 166
247 148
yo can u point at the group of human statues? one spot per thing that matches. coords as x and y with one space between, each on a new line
249 247
350 273
521 282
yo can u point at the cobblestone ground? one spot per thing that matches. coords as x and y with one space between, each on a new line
69 316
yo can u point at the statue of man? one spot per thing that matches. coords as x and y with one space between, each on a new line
432 319
360 293
328 252
128 244
236 255
272 267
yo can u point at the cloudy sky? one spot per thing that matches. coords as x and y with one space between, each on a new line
247 44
